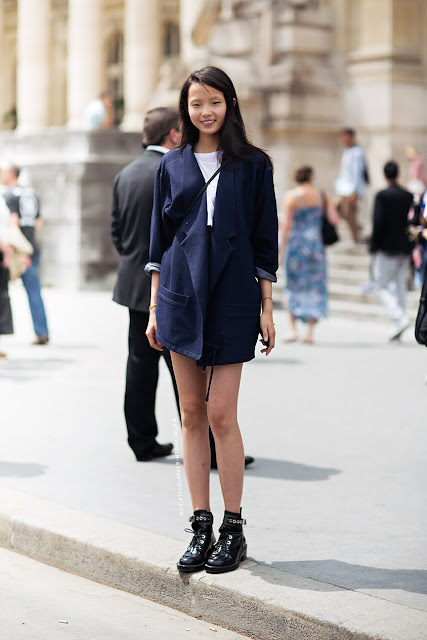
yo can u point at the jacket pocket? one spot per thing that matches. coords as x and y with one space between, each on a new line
247 310
177 299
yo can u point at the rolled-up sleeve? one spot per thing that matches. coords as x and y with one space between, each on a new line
151 266
265 233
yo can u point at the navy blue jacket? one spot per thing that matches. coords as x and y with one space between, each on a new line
208 305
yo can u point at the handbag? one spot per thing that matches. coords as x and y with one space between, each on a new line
329 231
22 247
421 321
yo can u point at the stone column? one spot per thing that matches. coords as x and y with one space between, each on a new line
386 91
85 57
186 24
33 34
142 56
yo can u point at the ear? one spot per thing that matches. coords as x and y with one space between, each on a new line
175 136
234 102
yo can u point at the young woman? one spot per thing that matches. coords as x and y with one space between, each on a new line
213 261
305 262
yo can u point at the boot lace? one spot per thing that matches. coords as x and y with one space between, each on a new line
198 540
223 544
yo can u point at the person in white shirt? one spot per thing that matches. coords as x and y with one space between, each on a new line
352 180
99 113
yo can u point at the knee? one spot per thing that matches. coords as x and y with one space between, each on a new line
193 415
220 421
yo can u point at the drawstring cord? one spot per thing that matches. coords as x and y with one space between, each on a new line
212 370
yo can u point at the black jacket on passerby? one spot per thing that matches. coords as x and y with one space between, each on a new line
130 229
391 211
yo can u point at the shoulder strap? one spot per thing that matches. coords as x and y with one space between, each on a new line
205 186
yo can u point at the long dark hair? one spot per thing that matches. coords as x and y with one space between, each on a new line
234 140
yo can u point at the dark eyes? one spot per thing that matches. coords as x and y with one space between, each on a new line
196 104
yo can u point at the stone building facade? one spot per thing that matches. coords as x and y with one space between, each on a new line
302 69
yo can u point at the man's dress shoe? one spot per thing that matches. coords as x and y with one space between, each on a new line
157 451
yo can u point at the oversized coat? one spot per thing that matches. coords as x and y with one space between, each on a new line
208 305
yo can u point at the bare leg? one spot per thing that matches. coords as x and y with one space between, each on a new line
309 339
191 382
293 334
222 416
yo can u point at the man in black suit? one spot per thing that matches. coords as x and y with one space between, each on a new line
130 231
392 248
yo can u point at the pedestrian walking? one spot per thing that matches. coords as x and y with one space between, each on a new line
352 181
303 252
24 207
130 230
392 248
214 231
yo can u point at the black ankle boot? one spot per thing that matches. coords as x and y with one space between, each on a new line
231 547
202 543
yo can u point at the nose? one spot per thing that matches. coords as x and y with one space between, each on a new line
206 110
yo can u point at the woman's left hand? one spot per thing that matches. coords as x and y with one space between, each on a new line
268 332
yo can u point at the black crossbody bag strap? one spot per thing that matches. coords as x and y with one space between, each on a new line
205 186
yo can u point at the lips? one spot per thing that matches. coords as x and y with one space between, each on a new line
208 123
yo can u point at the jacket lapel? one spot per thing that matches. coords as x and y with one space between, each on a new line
206 263
224 227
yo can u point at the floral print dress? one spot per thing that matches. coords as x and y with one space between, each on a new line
305 265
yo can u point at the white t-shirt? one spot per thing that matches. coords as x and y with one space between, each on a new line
351 175
94 114
209 163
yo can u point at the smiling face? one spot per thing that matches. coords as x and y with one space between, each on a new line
207 108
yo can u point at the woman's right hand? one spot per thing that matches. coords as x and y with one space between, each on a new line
152 330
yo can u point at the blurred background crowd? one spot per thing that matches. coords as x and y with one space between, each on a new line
334 86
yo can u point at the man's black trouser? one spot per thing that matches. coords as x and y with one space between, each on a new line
142 375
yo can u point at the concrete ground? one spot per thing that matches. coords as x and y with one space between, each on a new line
44 603
337 493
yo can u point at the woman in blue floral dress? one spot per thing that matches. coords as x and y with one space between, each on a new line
305 261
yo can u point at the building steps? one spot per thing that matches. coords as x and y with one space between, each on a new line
348 272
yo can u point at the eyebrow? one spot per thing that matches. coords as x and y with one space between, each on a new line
214 96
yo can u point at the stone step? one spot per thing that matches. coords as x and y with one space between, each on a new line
367 311
347 300
341 275
354 294
349 261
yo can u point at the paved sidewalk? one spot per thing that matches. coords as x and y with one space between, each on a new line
337 494
43 603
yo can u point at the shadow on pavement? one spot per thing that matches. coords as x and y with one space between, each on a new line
366 345
26 369
277 469
286 470
21 469
335 575
71 346
275 360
